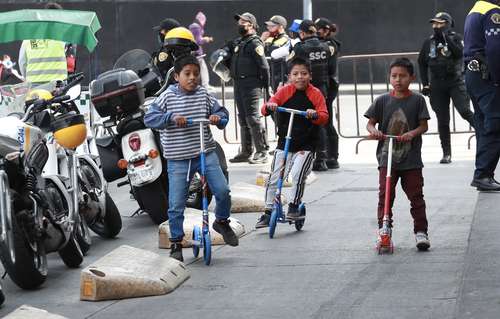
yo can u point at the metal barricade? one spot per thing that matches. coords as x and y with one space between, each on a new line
374 81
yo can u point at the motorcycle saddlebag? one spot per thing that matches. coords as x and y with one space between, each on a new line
110 153
116 92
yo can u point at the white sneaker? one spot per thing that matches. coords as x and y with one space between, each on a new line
422 241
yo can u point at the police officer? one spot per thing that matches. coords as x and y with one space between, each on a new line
275 37
161 58
250 73
481 56
441 54
323 67
326 32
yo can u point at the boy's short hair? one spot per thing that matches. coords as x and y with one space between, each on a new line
403 63
181 62
298 61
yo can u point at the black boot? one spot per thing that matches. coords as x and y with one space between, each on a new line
319 165
446 159
240 158
176 251
222 227
332 163
485 184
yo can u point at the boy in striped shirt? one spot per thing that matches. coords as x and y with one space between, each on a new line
181 144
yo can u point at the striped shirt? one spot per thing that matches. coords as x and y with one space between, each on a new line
181 143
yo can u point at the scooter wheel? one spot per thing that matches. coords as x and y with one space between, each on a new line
299 224
272 223
207 249
196 241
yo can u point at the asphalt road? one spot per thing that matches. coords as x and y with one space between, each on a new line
328 270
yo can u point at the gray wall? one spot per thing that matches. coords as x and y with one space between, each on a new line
366 26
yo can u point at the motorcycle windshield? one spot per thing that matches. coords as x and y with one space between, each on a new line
135 60
12 98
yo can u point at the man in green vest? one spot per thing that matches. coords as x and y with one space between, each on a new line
43 60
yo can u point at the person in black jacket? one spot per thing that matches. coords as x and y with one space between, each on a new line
161 58
441 54
250 73
326 32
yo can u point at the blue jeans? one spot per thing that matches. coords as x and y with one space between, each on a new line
178 190
486 100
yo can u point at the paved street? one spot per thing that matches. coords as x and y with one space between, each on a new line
328 270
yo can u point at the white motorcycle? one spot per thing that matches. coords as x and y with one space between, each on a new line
38 209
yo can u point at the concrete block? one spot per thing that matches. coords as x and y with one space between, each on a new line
247 198
193 217
129 272
28 312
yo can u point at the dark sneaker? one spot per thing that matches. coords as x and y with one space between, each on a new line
293 212
319 166
485 184
240 158
446 159
332 163
223 228
176 251
259 158
422 241
263 221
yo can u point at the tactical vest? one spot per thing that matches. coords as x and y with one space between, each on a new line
318 54
278 67
45 61
441 63
243 64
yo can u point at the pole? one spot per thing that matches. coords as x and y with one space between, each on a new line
307 9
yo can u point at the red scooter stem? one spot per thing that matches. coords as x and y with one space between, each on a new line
387 201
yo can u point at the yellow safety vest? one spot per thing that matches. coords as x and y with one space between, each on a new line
45 61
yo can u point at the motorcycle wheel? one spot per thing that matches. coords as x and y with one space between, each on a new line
29 270
71 253
111 224
83 236
152 198
195 195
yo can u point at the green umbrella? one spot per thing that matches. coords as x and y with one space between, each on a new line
70 26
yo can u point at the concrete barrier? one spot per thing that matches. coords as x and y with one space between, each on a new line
193 217
129 272
28 312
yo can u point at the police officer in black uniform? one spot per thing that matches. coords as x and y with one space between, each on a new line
275 37
482 61
161 58
441 54
323 67
326 32
250 73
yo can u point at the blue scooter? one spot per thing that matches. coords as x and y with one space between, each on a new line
201 237
278 216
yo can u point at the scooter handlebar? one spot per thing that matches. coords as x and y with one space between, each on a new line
195 121
297 112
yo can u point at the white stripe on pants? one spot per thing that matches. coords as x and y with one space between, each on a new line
299 165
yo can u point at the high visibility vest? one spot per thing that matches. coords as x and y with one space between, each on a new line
45 61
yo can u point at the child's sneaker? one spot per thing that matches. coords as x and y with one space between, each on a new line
293 212
384 237
222 227
176 251
263 220
422 240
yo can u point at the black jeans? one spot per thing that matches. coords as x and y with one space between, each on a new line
247 93
442 90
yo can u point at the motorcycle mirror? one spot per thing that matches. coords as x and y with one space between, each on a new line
74 92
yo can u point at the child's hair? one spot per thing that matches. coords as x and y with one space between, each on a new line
298 61
403 63
181 62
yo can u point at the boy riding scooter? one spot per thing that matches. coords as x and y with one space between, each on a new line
301 95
